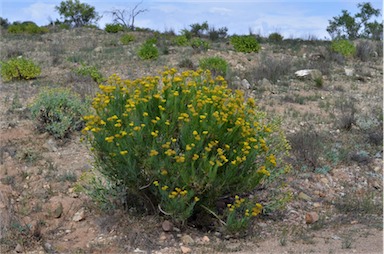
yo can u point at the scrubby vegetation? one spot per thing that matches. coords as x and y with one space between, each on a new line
19 68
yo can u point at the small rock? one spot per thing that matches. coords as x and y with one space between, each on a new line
311 217
19 248
324 180
245 84
205 239
58 210
349 71
304 196
167 226
79 215
309 73
187 240
98 49
316 205
265 82
185 249
50 145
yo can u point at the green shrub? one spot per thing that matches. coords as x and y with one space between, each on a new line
127 38
26 27
199 44
90 71
58 111
275 37
217 65
183 142
19 68
148 51
113 28
181 40
245 43
343 47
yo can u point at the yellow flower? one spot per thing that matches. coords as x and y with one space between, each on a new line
123 152
156 183
164 188
188 147
153 153
154 133
145 114
196 199
109 139
164 172
195 157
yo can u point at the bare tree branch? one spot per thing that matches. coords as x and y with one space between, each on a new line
126 17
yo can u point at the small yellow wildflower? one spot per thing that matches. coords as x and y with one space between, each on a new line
196 199
153 153
156 183
164 172
123 152
164 188
195 157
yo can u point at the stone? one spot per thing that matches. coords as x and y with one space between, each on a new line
50 145
19 248
205 239
79 215
187 240
312 74
185 249
245 84
58 210
167 226
304 196
349 71
311 217
265 82
98 49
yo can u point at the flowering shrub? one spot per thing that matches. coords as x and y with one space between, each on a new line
183 141
245 43
343 47
19 68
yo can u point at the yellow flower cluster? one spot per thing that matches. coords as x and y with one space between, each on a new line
177 193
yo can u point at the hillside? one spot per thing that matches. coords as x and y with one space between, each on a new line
333 120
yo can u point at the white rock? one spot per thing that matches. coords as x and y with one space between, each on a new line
349 71
79 215
245 84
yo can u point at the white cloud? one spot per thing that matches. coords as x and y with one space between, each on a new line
220 10
39 11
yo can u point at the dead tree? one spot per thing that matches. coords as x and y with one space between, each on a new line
126 17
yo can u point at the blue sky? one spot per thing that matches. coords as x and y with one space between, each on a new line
291 18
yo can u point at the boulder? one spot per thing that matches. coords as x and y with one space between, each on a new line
311 74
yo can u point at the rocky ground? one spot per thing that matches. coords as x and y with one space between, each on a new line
336 206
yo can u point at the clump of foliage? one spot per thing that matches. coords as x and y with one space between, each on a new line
245 43
350 27
4 23
26 27
181 40
19 68
199 29
77 14
218 34
90 71
149 50
113 28
343 47
199 44
58 111
275 37
127 38
184 141
217 65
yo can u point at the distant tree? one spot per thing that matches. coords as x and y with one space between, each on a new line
4 23
126 17
350 27
77 14
198 29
